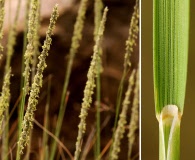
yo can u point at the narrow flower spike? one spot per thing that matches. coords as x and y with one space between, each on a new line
122 121
30 46
88 91
2 14
37 84
4 97
133 124
133 35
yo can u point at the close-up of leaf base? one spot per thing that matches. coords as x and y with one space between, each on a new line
170 58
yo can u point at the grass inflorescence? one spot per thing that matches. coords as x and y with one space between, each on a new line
37 83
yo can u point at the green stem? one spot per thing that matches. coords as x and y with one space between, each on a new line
169 133
77 36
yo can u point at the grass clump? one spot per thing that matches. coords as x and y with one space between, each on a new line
50 145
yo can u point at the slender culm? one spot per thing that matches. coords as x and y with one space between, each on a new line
170 54
4 97
119 133
77 36
37 84
88 91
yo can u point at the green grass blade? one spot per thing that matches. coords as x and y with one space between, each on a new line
171 32
170 54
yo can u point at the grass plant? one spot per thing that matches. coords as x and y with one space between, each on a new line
170 48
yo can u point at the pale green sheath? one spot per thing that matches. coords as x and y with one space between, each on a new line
170 54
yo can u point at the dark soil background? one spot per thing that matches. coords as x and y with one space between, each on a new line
116 33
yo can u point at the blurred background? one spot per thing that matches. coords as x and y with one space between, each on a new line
149 126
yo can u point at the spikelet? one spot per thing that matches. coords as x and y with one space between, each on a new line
88 91
37 84
133 125
122 121
5 97
30 46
